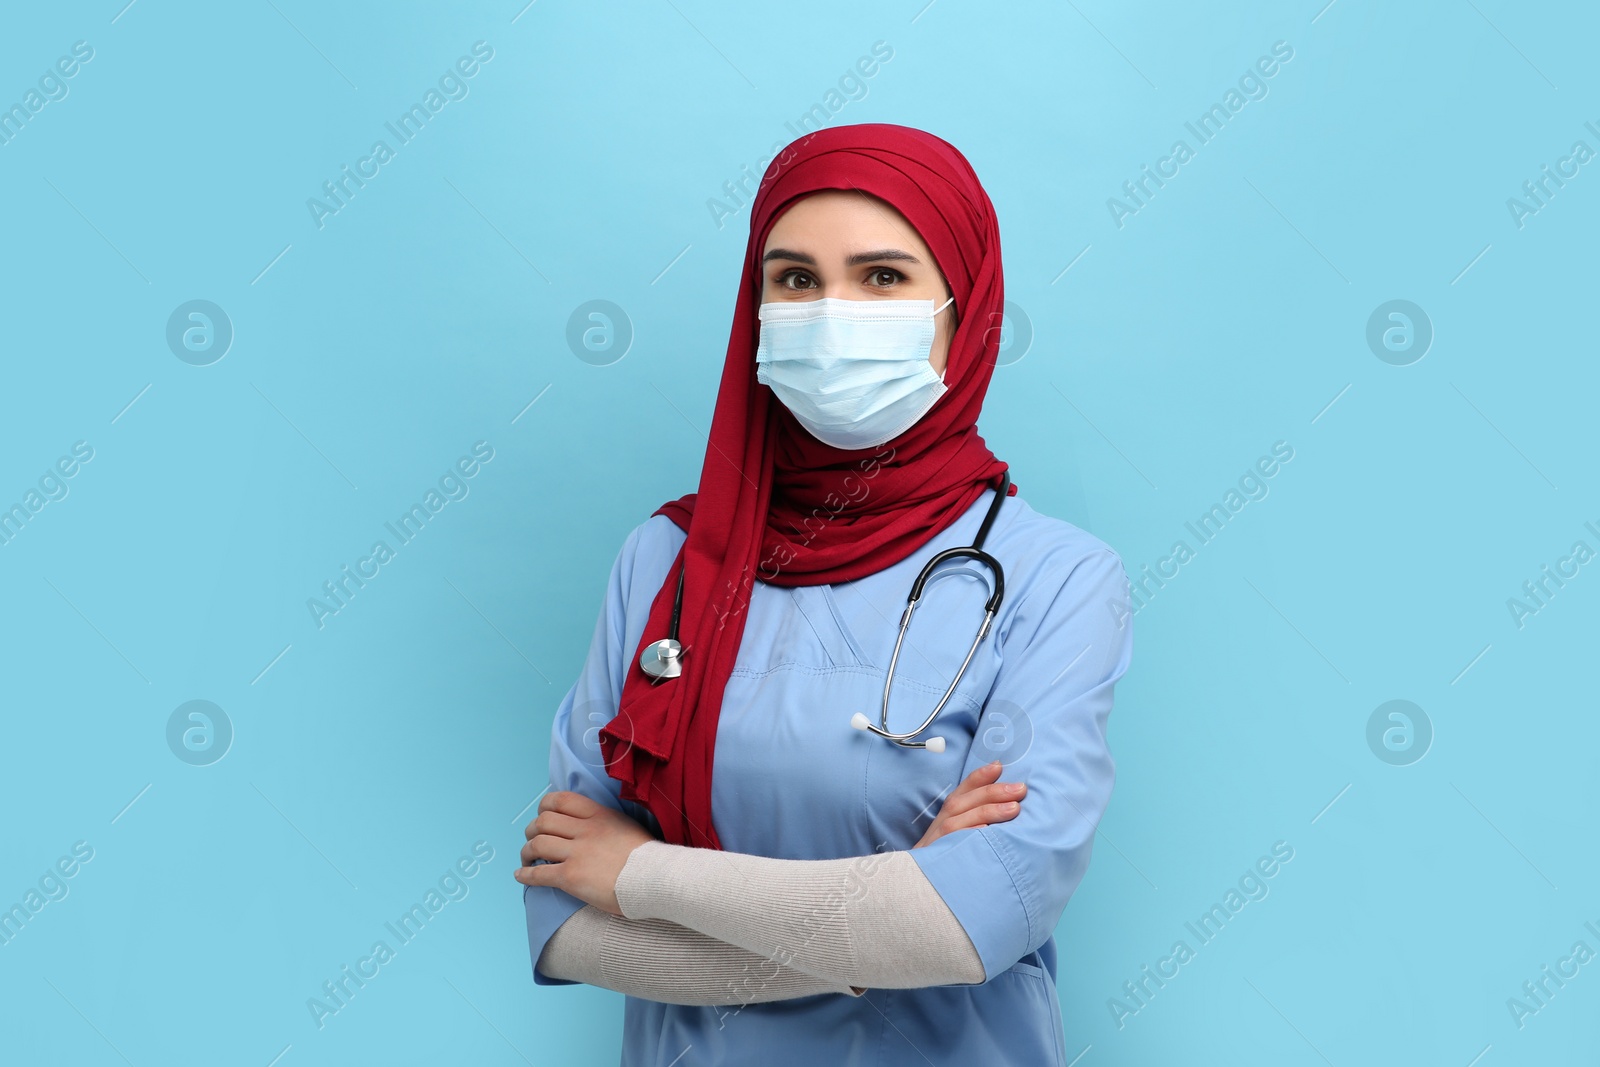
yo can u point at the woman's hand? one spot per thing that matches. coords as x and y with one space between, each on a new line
589 843
978 801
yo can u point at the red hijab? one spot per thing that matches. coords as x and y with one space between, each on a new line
769 503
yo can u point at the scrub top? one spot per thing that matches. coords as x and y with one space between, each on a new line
793 780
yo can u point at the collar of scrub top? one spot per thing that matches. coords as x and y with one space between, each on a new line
664 659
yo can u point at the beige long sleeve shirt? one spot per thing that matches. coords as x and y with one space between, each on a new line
703 926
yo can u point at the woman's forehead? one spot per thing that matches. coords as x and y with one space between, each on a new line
848 220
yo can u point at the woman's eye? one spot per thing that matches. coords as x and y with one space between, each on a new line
790 277
885 276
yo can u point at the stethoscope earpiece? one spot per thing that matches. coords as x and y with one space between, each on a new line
932 744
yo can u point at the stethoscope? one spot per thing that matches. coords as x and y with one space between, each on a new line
664 658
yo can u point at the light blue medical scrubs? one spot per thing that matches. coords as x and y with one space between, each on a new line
793 780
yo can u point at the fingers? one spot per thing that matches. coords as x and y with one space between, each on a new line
553 822
545 847
959 798
544 874
982 776
549 824
976 794
982 815
565 800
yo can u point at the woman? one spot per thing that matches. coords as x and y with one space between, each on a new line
829 895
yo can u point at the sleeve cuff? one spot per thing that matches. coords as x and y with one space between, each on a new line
964 868
547 908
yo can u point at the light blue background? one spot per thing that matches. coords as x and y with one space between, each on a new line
1228 314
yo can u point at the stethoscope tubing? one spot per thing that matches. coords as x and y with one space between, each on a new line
991 608
663 659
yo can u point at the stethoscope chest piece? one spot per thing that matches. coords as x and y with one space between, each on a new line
660 659
664 658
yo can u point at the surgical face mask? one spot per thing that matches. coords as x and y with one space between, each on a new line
855 373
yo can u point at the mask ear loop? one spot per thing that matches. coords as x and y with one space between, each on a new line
935 315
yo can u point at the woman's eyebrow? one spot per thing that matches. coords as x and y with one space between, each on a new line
859 257
882 253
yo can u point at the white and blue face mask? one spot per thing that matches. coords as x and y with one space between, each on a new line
855 373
